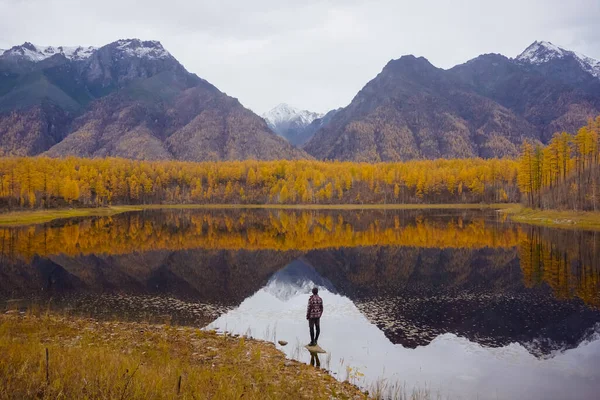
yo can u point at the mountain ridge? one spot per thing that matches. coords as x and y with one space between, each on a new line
485 107
130 98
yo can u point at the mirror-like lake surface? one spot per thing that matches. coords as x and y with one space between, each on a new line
459 302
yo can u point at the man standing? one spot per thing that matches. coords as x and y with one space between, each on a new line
313 315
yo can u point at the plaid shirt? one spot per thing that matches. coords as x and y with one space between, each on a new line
315 307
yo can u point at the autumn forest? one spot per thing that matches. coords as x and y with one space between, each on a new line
563 174
45 182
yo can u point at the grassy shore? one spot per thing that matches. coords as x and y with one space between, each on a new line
19 218
118 360
554 218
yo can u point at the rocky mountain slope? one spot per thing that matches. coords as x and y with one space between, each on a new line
130 98
291 123
483 108
310 130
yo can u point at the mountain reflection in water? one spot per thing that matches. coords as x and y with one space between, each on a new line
461 301
453 365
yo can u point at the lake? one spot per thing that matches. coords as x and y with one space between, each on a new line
462 304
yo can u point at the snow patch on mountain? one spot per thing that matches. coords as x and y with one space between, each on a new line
285 114
588 64
38 53
151 49
540 52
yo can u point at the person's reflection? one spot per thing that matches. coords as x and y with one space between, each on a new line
314 359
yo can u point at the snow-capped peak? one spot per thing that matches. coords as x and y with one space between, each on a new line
540 52
38 53
152 49
284 113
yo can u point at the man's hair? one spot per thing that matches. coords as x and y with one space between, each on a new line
315 290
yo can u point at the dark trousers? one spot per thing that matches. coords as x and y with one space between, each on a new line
312 323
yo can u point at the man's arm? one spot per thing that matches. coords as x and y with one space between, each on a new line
321 307
308 309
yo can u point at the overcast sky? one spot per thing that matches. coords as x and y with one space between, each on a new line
312 54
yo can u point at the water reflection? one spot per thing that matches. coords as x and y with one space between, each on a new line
296 278
463 301
191 287
456 366
280 230
416 294
567 261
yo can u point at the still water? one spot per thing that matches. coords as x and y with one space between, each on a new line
463 304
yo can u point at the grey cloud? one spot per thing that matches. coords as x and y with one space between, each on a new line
314 54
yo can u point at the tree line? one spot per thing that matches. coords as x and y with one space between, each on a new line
565 174
41 182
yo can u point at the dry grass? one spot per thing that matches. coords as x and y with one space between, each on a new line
385 390
555 218
115 360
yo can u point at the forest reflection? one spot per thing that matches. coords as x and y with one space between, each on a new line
566 261
280 230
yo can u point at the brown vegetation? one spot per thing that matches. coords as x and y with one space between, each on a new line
117 360
31 130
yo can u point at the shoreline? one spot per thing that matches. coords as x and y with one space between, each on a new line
584 220
589 220
99 359
21 218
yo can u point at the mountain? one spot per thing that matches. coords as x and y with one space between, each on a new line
130 98
35 53
291 123
546 53
317 124
483 108
546 85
